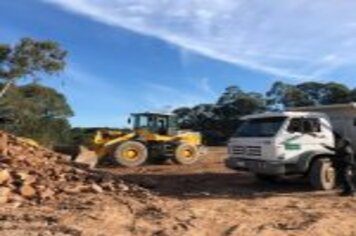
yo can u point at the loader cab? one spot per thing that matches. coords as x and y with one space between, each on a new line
159 123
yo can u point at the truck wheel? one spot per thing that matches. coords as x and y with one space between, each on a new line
186 154
267 178
131 154
322 175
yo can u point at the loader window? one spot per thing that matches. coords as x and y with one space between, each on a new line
162 126
141 121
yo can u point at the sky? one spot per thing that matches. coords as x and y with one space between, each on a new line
137 55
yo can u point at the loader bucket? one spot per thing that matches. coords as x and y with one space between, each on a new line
86 157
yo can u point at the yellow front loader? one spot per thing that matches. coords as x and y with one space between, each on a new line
154 138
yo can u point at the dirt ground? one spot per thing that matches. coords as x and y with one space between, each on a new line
202 199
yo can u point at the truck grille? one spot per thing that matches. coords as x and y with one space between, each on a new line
247 150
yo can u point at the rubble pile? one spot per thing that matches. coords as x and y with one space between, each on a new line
30 173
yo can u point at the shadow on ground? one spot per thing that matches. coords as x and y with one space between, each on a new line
217 185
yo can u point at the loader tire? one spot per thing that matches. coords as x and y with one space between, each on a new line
322 175
186 154
131 154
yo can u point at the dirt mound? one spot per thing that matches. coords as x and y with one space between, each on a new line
43 193
30 173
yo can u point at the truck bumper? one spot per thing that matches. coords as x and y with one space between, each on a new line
256 166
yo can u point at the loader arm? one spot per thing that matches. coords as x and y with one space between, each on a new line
103 144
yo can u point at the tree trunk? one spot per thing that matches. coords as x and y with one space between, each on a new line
6 87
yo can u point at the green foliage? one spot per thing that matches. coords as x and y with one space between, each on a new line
29 58
283 95
32 110
36 112
218 121
336 93
353 95
234 103
314 91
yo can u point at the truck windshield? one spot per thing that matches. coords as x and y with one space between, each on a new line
260 127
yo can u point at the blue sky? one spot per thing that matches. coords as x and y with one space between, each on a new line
136 55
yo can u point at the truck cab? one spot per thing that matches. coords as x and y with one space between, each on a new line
285 143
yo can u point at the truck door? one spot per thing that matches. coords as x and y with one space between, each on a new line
304 136
292 143
314 134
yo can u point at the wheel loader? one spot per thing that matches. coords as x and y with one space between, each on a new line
154 138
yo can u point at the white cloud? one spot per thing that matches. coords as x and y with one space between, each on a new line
160 97
206 87
300 39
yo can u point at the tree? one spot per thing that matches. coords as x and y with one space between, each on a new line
313 90
335 93
283 95
235 103
36 112
183 117
218 121
29 58
353 95
232 105
230 94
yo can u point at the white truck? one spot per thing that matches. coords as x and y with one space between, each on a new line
271 145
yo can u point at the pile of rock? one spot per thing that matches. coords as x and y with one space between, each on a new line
32 174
